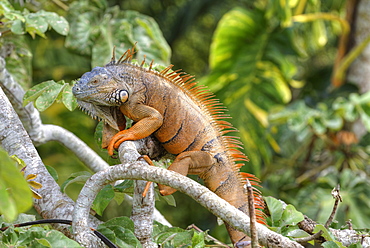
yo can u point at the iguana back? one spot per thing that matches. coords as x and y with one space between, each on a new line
185 117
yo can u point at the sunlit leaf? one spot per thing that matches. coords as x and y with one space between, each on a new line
15 194
78 177
102 200
58 23
275 208
68 99
291 216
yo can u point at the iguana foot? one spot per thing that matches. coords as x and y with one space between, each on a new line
117 140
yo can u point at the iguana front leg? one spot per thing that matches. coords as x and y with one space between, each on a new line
148 121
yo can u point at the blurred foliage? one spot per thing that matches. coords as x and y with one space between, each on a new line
37 236
15 194
270 62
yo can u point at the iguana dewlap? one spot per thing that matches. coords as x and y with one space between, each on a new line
185 117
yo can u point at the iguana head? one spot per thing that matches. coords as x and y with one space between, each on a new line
100 95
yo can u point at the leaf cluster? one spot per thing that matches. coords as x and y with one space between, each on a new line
39 236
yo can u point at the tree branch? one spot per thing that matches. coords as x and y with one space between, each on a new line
139 171
142 207
15 140
41 133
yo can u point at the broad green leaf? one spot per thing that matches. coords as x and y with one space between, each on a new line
297 233
8 207
333 244
291 216
49 96
334 123
103 198
78 177
19 60
14 189
119 197
125 237
58 23
5 7
120 230
276 210
53 237
68 99
198 240
125 187
36 91
326 234
36 24
81 33
98 29
52 172
18 27
169 199
41 243
120 221
357 245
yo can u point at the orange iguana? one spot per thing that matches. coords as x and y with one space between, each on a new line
185 118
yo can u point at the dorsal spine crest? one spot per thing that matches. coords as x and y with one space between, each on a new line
214 110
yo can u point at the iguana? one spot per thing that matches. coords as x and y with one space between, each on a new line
185 117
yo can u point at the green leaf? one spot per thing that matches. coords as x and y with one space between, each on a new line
326 234
103 198
291 216
78 177
58 23
275 208
15 194
357 245
68 98
123 221
18 27
19 60
42 243
170 200
46 93
333 244
120 230
36 91
126 186
48 97
297 233
97 30
53 237
6 7
81 33
36 24
52 172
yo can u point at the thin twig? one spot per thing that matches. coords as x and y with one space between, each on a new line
337 197
252 215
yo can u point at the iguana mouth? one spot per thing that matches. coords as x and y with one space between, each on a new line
99 112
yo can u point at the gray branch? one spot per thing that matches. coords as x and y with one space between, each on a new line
140 171
142 207
41 133
16 141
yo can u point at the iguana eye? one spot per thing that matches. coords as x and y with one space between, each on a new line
123 95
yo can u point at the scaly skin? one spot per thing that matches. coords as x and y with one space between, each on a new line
184 117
